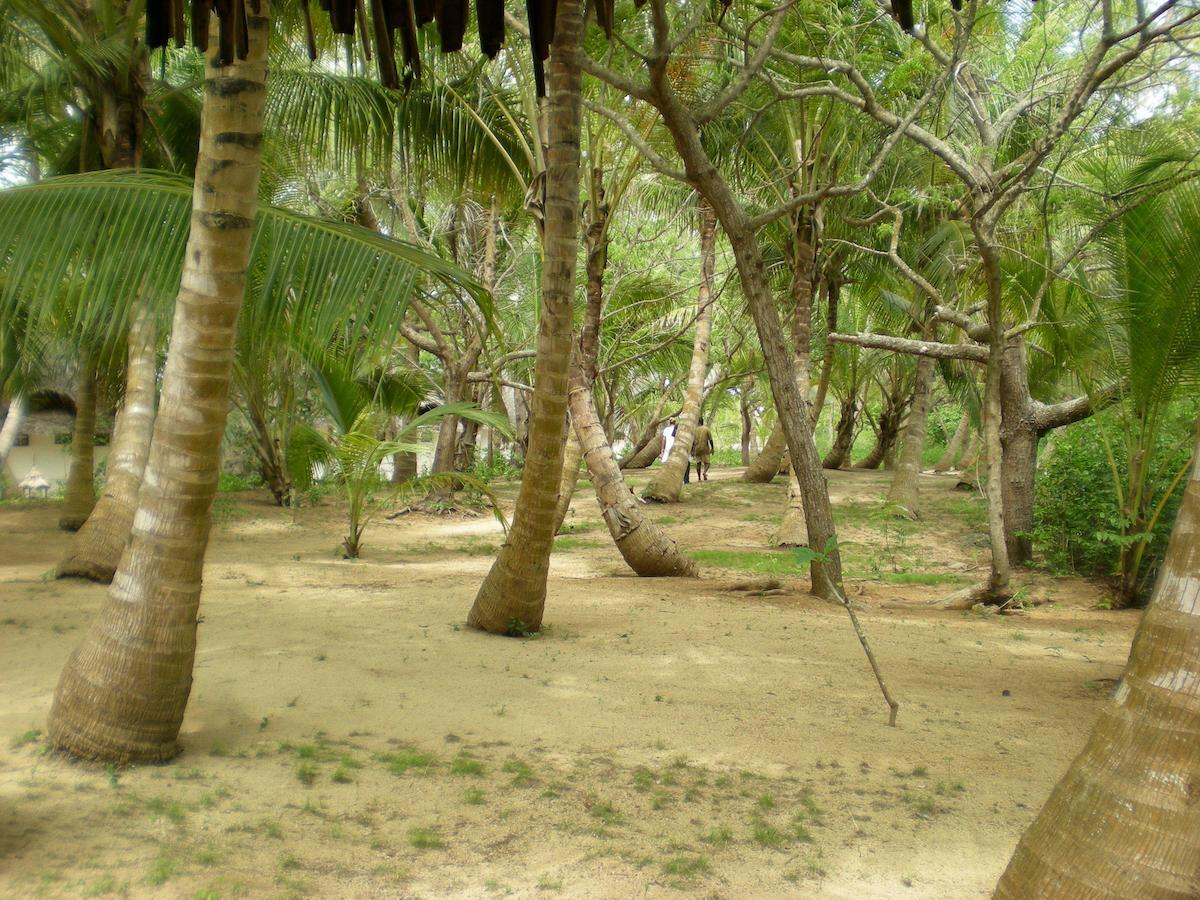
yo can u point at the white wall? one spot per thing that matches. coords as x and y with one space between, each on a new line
53 460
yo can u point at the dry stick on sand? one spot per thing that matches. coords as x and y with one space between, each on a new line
805 555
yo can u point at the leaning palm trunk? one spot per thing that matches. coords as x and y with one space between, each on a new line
96 548
13 420
843 441
955 447
769 460
1124 821
904 491
667 485
122 695
572 455
512 597
647 453
80 496
647 550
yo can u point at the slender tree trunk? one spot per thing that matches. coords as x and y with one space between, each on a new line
1019 442
447 439
843 439
905 489
667 485
955 447
13 420
122 696
747 426
572 456
80 495
833 293
96 548
404 465
1124 820
271 461
513 595
643 545
998 581
769 460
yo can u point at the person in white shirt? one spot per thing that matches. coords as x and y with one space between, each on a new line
668 439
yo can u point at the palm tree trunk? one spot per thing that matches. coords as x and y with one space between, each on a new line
843 439
96 548
122 695
905 489
747 425
644 457
769 460
13 420
513 595
1124 821
833 293
955 447
667 485
644 546
572 455
80 496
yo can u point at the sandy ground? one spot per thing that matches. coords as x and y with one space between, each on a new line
348 737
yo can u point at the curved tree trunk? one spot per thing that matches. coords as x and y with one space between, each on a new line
649 452
955 447
96 548
122 695
770 460
512 597
572 456
833 293
13 419
843 439
667 485
80 496
905 489
1124 820
644 546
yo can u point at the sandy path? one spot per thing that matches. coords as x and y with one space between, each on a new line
663 738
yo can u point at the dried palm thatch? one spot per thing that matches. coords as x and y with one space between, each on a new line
377 23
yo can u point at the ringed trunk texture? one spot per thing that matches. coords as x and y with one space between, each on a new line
95 550
905 489
644 458
1124 820
80 496
513 595
1019 440
668 484
122 696
643 545
769 460
955 447
572 456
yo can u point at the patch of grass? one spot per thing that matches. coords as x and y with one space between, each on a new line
161 870
757 562
605 812
463 764
341 775
717 837
271 828
207 856
686 867
105 884
32 736
306 774
474 797
912 578
767 835
171 810
407 759
522 773
545 883
288 861
643 779
425 838
922 805
765 802
576 543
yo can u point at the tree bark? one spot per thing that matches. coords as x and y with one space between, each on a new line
645 456
769 460
122 695
80 497
747 426
512 597
843 439
95 550
13 420
668 484
833 293
1124 820
905 490
572 455
955 447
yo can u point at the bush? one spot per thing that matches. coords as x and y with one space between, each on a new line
1077 518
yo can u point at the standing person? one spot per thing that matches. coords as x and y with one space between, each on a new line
668 440
702 449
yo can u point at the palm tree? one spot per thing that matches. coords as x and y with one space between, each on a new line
143 641
512 598
1123 821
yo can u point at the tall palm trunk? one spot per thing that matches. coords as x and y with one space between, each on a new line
833 293
122 696
747 425
645 456
96 548
513 595
81 492
1124 820
955 447
769 460
843 439
667 485
572 456
905 489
